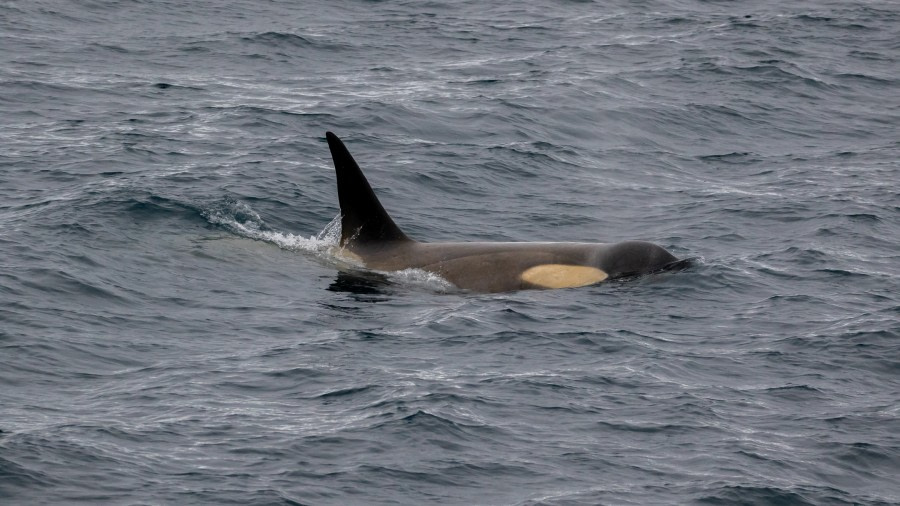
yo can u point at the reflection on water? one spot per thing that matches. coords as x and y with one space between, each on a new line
361 282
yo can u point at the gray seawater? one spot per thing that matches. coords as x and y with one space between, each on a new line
174 330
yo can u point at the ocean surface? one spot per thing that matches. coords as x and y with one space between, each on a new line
175 329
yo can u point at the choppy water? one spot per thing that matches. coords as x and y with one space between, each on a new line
174 331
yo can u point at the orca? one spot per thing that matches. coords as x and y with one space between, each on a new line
370 237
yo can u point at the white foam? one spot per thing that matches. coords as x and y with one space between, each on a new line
421 279
239 218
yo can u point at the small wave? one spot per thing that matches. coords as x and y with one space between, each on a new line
18 477
152 207
740 494
278 38
110 47
52 281
166 86
344 392
284 40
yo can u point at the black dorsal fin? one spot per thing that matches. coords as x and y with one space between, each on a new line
363 219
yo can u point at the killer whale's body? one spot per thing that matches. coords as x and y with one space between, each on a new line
370 236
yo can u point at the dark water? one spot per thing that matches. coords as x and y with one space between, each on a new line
172 331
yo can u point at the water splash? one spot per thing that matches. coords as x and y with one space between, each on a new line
239 218
421 279
332 232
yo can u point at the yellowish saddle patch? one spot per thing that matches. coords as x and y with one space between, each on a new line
563 276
